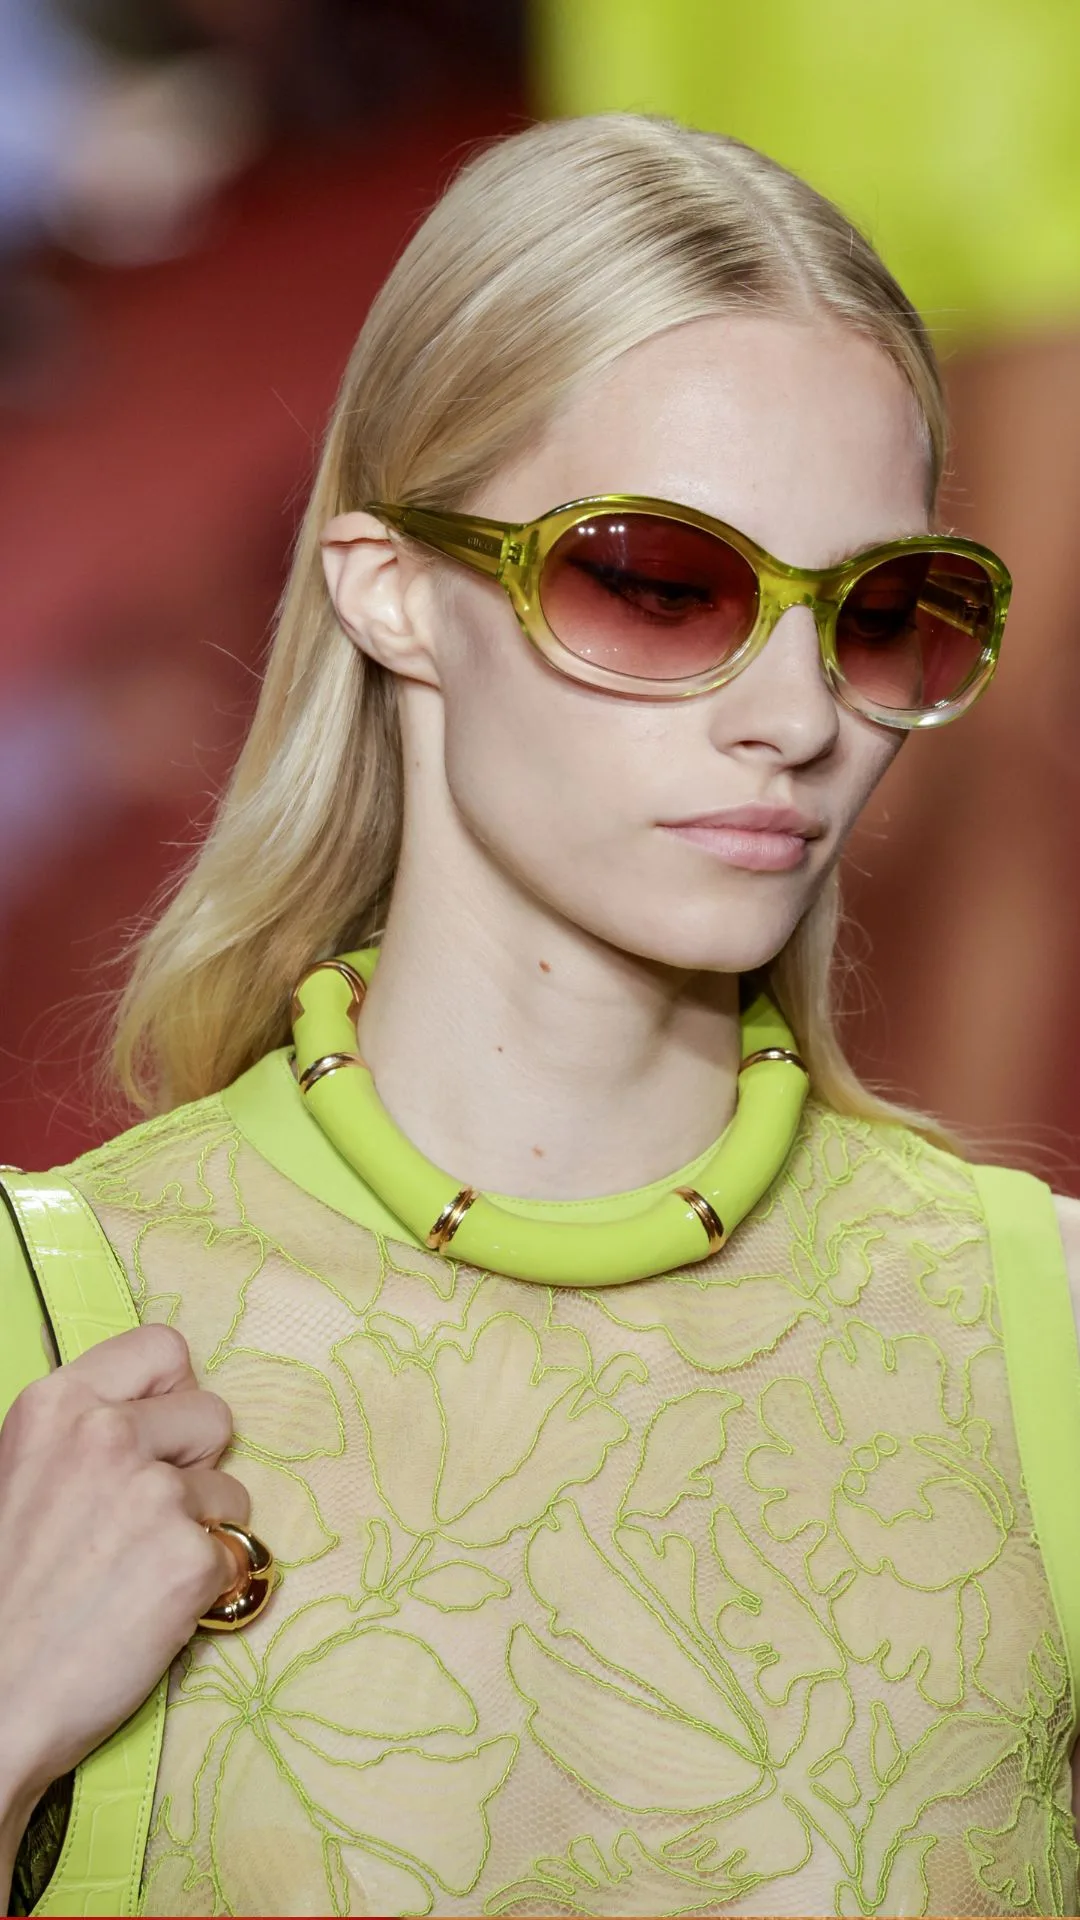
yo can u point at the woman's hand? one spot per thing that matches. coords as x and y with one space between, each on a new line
107 1467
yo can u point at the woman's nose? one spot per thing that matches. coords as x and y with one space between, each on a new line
781 703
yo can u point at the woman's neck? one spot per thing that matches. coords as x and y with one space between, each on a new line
526 1057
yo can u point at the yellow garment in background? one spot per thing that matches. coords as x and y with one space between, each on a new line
948 129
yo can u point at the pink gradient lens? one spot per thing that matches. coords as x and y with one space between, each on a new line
911 633
647 597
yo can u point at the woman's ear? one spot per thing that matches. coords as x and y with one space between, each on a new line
381 596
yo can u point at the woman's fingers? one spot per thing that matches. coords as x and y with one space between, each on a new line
187 1427
146 1360
211 1495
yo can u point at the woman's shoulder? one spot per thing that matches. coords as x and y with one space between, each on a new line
882 1156
168 1142
873 1166
874 1156
172 1140
1068 1215
152 1157
864 1148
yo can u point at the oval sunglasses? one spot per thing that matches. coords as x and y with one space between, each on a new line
645 598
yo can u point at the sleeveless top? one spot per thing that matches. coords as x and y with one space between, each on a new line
714 1592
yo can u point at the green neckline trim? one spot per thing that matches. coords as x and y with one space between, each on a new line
267 1106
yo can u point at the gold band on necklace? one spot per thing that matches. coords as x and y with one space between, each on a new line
357 986
328 1063
774 1053
710 1219
450 1219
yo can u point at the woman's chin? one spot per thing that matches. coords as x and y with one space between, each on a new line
696 942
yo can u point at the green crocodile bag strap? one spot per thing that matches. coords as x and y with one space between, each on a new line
87 1299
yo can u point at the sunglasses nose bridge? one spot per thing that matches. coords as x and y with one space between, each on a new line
791 593
800 593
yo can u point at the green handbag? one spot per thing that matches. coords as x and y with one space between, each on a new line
83 1295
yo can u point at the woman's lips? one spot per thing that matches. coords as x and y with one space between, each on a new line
759 839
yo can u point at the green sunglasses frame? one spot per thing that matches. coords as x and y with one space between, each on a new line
514 556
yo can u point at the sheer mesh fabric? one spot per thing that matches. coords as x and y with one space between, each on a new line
714 1593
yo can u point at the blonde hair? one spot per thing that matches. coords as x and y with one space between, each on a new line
550 254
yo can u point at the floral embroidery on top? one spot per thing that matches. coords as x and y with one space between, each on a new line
712 1589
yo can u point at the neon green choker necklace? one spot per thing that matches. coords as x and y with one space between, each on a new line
680 1227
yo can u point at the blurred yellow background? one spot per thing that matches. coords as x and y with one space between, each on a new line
948 129
198 199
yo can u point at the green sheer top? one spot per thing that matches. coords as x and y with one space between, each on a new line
726 1587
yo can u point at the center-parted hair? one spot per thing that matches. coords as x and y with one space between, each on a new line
550 254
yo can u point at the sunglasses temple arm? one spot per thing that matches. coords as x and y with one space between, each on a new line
480 544
950 607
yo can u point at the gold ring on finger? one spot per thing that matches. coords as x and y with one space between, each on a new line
245 1599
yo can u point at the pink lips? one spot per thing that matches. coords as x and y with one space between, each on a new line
758 838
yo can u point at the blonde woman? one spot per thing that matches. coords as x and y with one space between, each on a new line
662 1443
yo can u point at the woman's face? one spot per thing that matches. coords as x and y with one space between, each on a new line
604 808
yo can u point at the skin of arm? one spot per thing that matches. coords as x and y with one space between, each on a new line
1068 1213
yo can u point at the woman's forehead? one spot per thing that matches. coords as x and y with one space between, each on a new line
806 436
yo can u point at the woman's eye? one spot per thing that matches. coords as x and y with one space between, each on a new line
657 599
886 621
